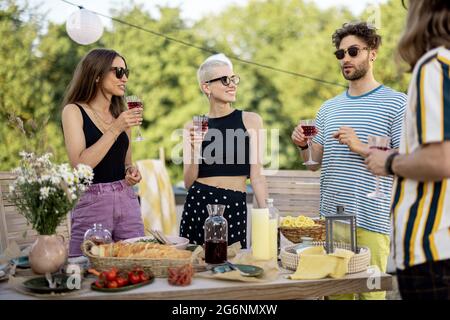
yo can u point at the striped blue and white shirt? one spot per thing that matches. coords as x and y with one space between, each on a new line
344 178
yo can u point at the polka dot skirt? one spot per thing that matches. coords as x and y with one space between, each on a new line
195 213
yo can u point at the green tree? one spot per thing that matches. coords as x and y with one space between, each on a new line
293 35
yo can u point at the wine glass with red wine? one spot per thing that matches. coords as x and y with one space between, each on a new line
309 130
200 124
134 102
381 143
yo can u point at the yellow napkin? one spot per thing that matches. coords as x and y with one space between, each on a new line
314 263
158 209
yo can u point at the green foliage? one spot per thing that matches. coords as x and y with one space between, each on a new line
287 34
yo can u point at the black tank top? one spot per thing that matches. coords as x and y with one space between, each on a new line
226 147
112 166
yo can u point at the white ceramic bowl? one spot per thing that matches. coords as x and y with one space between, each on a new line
179 242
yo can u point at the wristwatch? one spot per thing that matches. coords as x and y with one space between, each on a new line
388 163
303 148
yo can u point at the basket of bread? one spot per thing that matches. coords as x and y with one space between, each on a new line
294 228
153 257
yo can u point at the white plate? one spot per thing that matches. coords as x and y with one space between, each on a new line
180 242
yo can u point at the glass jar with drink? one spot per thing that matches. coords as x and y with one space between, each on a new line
216 235
98 235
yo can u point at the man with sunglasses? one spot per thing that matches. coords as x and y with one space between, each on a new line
340 147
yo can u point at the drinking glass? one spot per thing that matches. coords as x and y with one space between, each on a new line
380 143
200 124
309 130
135 102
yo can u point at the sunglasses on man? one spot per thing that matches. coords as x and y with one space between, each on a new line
121 71
352 52
226 80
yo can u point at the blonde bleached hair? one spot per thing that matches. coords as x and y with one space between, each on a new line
206 70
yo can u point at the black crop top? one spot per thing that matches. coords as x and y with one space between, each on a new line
226 147
112 166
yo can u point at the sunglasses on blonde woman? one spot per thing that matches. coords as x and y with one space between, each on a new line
226 80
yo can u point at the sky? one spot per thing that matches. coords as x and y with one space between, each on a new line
192 10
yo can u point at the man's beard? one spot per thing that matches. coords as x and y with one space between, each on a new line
358 73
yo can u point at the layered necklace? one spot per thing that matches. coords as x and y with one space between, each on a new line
100 119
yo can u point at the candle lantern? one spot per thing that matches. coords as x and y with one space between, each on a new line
340 227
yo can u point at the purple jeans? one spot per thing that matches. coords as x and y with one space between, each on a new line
114 205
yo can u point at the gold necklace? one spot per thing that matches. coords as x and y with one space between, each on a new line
98 117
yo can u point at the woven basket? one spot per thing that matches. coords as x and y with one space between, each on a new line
358 263
157 266
294 234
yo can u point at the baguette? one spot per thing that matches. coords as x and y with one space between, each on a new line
122 249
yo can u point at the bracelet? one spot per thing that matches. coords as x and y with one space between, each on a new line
128 167
114 134
389 161
303 148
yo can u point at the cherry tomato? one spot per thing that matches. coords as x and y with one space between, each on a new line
112 284
99 284
111 275
121 282
144 277
138 270
134 278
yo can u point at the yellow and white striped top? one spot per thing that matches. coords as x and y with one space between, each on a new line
421 210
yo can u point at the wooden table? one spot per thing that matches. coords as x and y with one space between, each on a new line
204 289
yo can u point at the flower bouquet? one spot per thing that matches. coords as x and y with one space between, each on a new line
44 192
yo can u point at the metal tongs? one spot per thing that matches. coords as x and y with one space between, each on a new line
160 237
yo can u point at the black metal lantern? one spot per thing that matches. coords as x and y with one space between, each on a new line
341 221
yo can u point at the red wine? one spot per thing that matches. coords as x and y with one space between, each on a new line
309 131
215 251
204 125
98 241
134 104
380 148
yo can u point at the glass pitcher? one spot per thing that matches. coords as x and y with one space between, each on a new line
98 234
216 235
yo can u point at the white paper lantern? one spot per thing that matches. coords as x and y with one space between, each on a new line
84 27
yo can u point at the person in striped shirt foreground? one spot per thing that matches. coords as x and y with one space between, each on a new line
421 201
340 146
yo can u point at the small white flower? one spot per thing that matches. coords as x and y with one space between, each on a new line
44 193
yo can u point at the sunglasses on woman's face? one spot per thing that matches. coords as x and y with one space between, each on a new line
352 52
226 80
120 72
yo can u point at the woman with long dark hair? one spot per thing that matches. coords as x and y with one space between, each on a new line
96 125
421 201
